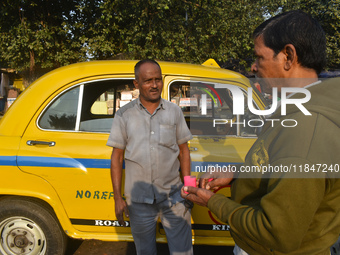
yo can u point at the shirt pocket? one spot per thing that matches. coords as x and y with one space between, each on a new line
167 135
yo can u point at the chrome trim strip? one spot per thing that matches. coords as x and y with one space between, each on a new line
80 103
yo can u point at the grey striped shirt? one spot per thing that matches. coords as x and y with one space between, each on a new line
151 149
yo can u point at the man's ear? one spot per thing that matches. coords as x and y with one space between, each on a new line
135 82
291 57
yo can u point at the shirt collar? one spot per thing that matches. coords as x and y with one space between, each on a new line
160 106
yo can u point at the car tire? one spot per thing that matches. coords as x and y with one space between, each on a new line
27 227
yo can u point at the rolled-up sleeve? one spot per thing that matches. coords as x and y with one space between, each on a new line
118 137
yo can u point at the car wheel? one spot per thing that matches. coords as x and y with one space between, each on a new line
28 228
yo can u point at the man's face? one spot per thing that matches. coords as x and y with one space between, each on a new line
149 83
267 65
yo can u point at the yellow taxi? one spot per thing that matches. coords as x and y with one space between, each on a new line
55 165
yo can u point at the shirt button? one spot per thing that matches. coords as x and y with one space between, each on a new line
151 148
152 132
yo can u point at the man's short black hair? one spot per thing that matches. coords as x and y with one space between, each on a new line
141 62
299 29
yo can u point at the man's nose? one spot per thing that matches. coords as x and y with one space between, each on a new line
154 84
254 67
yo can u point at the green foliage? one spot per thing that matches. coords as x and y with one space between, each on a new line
45 34
176 30
38 34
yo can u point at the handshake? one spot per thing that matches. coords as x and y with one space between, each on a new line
201 190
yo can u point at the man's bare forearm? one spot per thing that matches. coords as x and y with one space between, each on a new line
184 158
116 171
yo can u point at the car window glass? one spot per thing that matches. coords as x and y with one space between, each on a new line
104 103
201 105
101 100
250 124
62 113
209 110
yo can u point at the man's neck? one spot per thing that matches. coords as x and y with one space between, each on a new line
151 106
302 77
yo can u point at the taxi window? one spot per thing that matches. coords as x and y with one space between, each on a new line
100 102
209 110
88 107
62 113
114 98
250 124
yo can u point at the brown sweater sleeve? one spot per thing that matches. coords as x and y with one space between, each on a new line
281 220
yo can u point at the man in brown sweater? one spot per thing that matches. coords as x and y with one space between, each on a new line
295 209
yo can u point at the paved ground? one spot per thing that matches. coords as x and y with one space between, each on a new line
94 247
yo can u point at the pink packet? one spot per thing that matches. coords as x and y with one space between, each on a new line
189 181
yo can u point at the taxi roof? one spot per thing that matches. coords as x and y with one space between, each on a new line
127 67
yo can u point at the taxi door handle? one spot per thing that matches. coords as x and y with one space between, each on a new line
193 149
32 142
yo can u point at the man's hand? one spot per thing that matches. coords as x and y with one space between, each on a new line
197 195
214 181
120 208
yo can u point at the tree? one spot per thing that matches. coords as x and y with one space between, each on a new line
45 34
178 30
38 34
